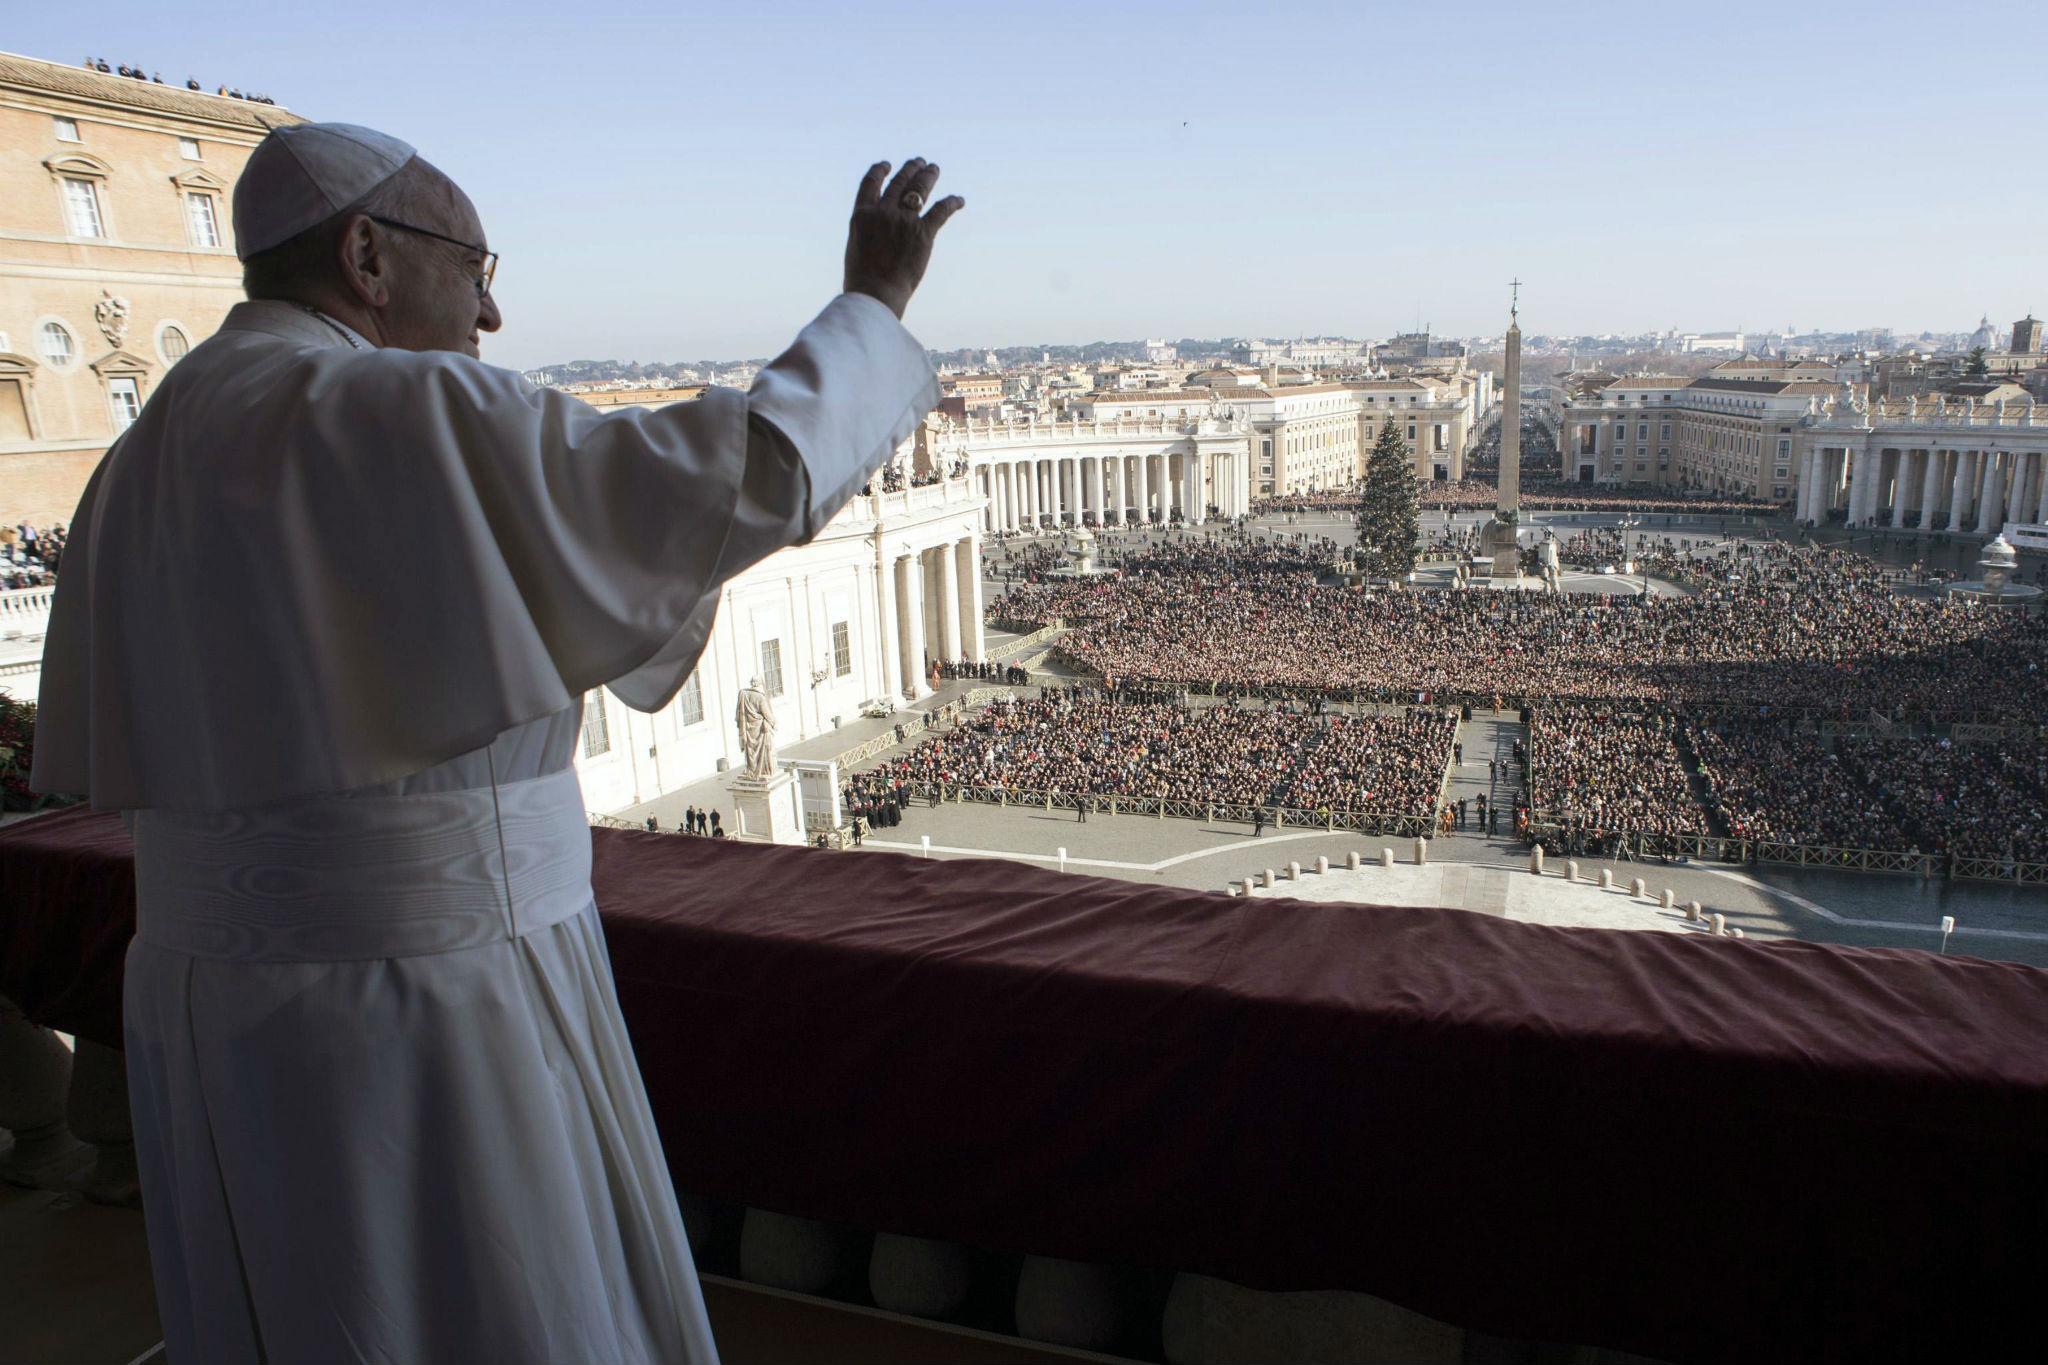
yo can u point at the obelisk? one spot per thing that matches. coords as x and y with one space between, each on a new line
1500 539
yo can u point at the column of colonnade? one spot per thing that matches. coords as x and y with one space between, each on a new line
1032 493
930 609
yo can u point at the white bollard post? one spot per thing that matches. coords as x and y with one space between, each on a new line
1294 872
1692 911
1635 888
1322 864
1735 933
1063 859
1720 923
926 841
1354 862
1606 879
1670 898
1386 857
1571 869
1272 877
1421 852
1536 861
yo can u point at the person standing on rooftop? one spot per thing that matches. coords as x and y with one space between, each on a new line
330 612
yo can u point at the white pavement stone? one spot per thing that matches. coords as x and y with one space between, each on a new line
1529 900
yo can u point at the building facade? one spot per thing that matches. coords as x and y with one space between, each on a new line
117 256
1718 435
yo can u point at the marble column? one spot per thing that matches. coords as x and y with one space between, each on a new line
1903 484
1959 489
2041 502
1144 489
1930 490
1810 461
889 640
949 603
1998 472
1862 488
1057 502
1120 495
910 611
971 629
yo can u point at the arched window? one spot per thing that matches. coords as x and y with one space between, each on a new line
53 339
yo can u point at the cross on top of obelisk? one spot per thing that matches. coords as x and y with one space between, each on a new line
1515 300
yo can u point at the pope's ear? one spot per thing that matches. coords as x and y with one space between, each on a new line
364 257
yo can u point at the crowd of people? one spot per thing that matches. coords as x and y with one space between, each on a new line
1127 741
1594 768
156 78
1537 495
1770 628
29 555
1596 773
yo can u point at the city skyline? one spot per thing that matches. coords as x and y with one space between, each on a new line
1187 171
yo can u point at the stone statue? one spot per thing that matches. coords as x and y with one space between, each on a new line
755 716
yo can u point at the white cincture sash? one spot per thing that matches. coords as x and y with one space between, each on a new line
345 879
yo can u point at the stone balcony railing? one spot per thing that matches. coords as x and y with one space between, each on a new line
1967 415
1166 1122
872 507
989 431
25 610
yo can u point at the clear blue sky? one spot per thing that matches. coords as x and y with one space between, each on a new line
669 185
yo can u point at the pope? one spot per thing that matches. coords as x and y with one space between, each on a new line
329 614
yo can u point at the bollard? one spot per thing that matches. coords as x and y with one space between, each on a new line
1386 857
1606 879
1294 872
1571 869
1720 922
1635 888
1536 861
1063 859
1692 911
926 841
1735 933
1272 877
1322 864
1670 898
1354 862
1421 852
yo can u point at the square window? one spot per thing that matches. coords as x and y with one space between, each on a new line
842 649
82 206
771 667
188 147
597 735
66 128
126 401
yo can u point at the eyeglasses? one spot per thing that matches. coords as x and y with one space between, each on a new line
490 271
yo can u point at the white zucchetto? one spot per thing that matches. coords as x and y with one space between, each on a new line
303 174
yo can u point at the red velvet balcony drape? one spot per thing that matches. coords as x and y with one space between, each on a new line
1690 1147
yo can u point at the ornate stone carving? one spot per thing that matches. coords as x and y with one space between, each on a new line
112 316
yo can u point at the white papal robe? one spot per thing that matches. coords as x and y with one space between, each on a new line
323 628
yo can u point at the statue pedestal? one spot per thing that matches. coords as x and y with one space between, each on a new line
1497 543
768 810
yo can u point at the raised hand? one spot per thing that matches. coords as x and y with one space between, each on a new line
889 241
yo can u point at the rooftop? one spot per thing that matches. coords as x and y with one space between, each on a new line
75 82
